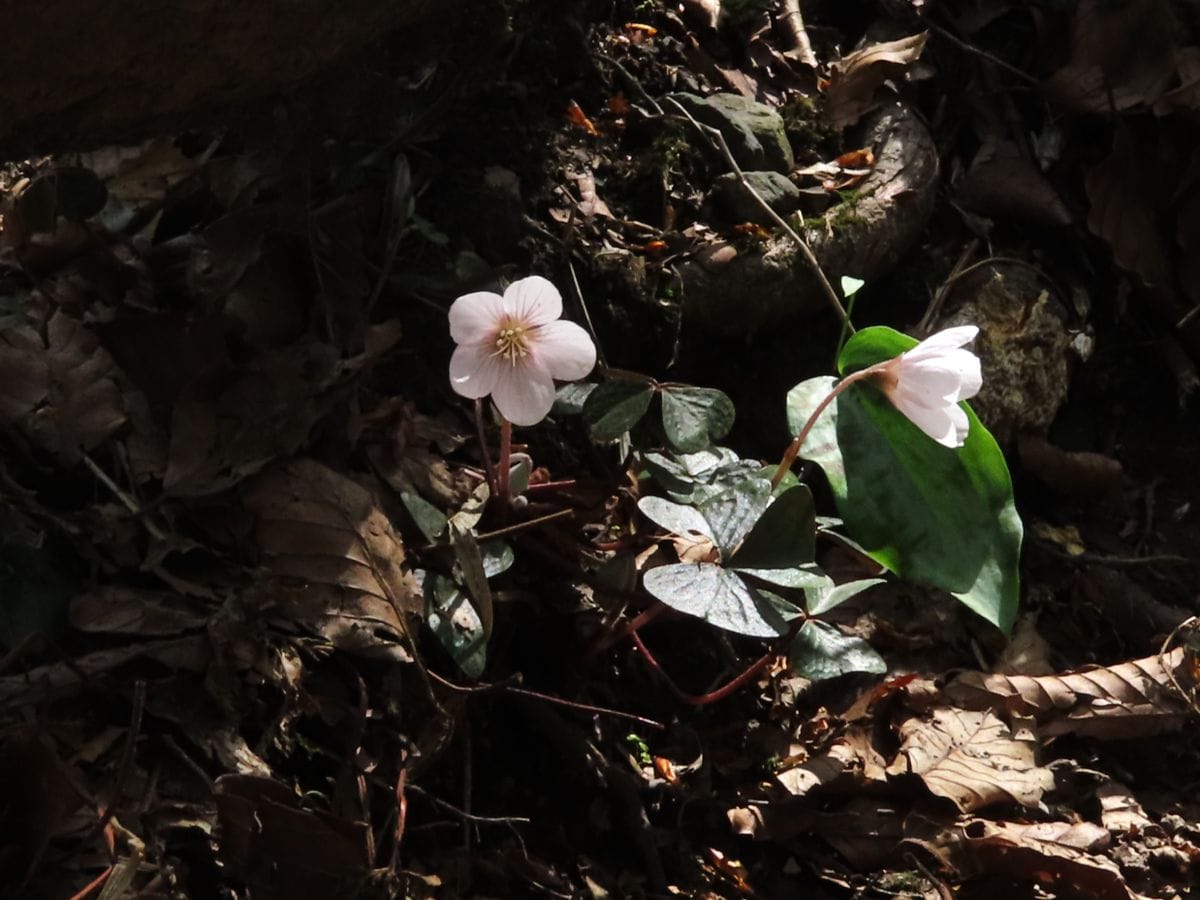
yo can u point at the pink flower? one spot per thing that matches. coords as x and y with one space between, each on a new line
927 383
513 347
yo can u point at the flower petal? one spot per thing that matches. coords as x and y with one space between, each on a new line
938 422
947 339
524 393
533 300
564 349
475 369
475 317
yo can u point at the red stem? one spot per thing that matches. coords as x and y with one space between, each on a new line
610 639
726 689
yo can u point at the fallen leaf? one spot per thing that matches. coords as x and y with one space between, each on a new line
1056 855
281 850
1122 56
1132 699
61 391
1003 182
337 559
1088 476
1123 212
971 758
855 78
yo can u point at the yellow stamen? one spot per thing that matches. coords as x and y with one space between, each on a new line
512 342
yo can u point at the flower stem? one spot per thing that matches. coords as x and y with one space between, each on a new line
502 468
793 450
481 431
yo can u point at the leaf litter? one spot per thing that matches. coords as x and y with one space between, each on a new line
226 426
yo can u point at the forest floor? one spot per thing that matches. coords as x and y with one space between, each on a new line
245 513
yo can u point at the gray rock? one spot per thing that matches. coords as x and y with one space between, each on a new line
738 204
754 131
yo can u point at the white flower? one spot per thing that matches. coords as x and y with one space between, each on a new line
513 347
927 383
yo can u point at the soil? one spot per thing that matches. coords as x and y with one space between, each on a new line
242 387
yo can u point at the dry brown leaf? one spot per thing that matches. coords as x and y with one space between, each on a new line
971 758
126 610
855 77
233 420
852 755
1122 56
61 391
1089 476
1131 699
1120 811
282 850
337 559
1186 96
1123 212
1003 182
189 653
1057 855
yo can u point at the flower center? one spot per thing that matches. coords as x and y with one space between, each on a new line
512 341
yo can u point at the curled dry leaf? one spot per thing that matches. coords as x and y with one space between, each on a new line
971 758
338 559
855 78
1132 699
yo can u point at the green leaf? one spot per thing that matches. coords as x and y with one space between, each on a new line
694 477
784 536
616 406
570 397
428 518
820 652
455 623
823 599
675 517
694 417
929 513
719 597
734 511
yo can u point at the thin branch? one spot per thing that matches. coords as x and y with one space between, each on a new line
805 250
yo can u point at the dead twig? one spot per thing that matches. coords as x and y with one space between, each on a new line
805 250
793 26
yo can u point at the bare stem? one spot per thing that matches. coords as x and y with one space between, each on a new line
736 683
486 455
505 463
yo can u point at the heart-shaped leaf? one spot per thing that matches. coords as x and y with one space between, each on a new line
675 517
825 598
926 512
733 512
783 537
694 417
616 406
820 652
717 596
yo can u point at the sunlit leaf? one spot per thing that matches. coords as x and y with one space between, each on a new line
694 417
820 651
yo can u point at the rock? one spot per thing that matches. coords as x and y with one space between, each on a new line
739 205
862 237
754 131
